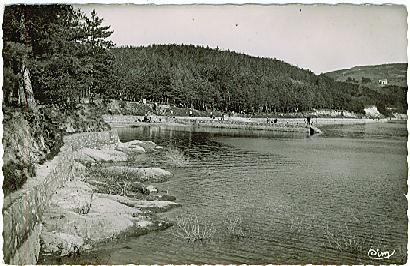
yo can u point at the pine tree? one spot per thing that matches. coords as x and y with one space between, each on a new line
66 52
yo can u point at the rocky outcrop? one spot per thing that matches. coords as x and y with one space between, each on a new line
136 145
154 206
84 214
73 226
23 209
63 208
147 145
153 175
130 147
117 152
89 219
75 196
105 154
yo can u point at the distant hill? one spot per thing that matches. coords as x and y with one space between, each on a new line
394 74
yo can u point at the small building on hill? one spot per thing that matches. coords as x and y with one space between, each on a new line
382 82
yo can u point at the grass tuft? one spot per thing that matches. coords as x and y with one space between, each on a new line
191 229
176 157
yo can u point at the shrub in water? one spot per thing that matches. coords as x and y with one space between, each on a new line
191 229
345 240
176 157
233 226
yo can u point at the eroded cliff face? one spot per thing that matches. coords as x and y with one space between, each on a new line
32 136
29 138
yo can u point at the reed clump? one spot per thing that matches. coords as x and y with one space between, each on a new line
345 240
234 226
176 157
191 229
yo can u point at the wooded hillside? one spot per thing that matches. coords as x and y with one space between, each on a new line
209 78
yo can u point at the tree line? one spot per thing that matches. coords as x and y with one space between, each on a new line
69 56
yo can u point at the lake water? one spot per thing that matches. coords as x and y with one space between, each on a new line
322 199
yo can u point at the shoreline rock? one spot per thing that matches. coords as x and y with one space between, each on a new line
145 174
105 154
150 205
130 146
80 219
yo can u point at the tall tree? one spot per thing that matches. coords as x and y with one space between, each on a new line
97 54
66 52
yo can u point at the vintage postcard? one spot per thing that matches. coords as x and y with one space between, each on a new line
236 133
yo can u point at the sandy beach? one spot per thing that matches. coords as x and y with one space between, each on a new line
282 124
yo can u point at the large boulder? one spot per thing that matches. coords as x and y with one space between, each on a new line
79 168
146 145
91 228
155 205
130 147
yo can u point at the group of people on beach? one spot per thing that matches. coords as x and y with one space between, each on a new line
308 121
212 116
269 121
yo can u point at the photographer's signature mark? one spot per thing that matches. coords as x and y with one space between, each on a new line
376 254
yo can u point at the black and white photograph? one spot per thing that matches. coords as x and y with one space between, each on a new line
204 133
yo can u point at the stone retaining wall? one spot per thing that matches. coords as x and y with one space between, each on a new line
23 209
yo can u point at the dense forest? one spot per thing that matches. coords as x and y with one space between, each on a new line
67 56
203 78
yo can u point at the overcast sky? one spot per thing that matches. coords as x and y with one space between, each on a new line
321 38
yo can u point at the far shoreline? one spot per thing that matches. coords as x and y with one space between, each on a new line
258 124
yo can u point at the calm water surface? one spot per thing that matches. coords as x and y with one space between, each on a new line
292 192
